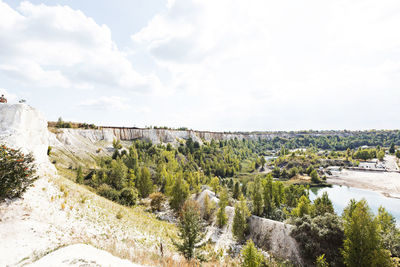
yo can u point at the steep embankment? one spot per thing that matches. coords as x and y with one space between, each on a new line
158 136
271 236
56 212
23 127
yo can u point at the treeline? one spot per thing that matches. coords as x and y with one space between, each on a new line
144 168
64 124
340 141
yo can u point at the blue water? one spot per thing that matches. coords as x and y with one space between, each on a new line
341 195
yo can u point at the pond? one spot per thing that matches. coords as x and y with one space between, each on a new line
341 195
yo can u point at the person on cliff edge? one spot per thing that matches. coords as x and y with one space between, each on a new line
3 99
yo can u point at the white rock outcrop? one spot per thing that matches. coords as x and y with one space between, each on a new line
23 127
81 255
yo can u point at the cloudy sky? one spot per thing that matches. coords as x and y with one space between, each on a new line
206 64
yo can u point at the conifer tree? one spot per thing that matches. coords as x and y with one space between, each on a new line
79 175
144 183
214 184
191 230
118 174
208 208
268 196
179 192
239 227
223 202
257 197
236 191
250 255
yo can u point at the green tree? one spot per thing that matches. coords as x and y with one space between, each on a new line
144 183
180 192
191 231
239 226
117 144
79 175
257 197
381 155
322 205
236 191
303 207
214 183
392 148
118 173
208 208
362 245
250 255
398 154
315 177
17 172
268 196
390 235
223 202
262 162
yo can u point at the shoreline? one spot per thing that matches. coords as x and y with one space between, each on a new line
388 190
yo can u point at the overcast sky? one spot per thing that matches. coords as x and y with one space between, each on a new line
206 64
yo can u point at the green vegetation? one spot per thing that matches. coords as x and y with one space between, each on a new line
358 238
362 244
191 231
335 140
17 172
239 227
62 124
235 169
251 256
223 202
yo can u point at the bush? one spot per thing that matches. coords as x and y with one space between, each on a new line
128 196
320 235
17 172
108 192
315 177
156 201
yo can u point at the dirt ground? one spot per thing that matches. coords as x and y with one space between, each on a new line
387 183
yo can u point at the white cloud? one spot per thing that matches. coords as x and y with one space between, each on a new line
275 60
56 46
106 103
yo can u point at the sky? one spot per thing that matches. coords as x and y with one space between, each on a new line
226 65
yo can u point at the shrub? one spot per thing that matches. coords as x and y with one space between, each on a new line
315 177
128 196
251 256
79 175
17 172
156 201
320 235
108 192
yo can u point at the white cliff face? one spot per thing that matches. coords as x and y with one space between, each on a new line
23 127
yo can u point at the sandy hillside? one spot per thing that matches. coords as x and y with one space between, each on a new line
56 212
